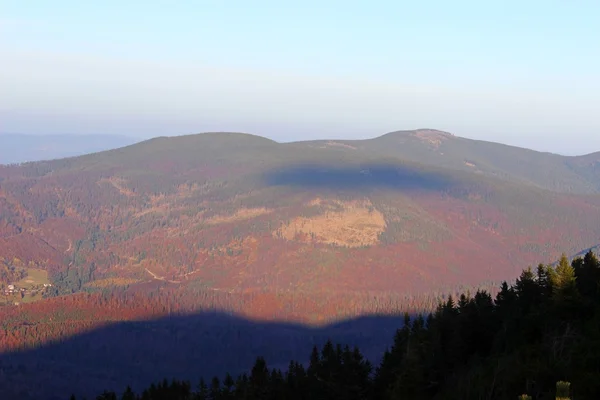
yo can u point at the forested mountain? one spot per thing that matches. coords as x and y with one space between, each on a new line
313 232
535 337
241 213
20 148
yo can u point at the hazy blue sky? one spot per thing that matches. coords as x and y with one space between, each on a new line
519 72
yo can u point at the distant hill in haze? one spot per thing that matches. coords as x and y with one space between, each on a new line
19 148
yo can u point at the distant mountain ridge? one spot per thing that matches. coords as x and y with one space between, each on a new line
19 148
572 174
428 147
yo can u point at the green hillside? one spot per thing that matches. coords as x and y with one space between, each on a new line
579 174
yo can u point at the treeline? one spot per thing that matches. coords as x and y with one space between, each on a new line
63 314
58 318
542 330
11 271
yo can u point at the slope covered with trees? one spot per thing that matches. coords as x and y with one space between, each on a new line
543 329
575 174
243 214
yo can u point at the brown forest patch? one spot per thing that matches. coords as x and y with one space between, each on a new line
343 223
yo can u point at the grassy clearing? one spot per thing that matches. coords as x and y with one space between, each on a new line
35 278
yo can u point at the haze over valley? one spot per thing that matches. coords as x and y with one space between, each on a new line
20 148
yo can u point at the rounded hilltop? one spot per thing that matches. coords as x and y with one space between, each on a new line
421 132
215 137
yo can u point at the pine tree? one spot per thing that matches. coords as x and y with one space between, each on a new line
128 394
527 290
259 380
201 391
228 387
565 292
587 270
215 389
564 277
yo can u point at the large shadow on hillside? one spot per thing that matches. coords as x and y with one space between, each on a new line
183 347
360 177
